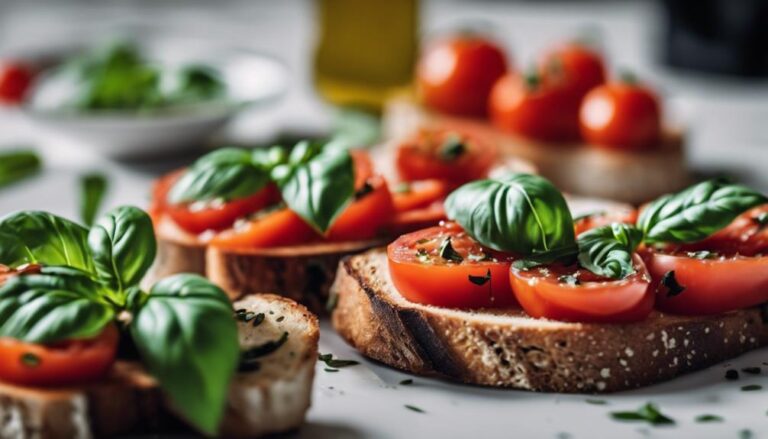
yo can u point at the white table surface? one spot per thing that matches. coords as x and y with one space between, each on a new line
727 133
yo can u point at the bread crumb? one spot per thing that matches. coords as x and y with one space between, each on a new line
650 336
706 330
601 385
629 352
605 372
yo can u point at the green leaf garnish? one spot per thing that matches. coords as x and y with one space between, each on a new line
92 189
607 250
709 418
335 362
448 253
647 413
413 408
670 282
17 165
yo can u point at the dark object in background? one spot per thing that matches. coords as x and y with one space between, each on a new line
718 36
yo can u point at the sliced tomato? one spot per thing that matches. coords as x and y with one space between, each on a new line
544 292
418 194
15 80
58 364
273 229
747 235
690 285
599 219
417 219
422 275
367 215
363 166
218 216
456 154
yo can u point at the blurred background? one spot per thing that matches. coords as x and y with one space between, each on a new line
708 59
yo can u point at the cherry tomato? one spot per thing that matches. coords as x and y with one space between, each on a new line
422 275
367 215
15 79
544 292
727 271
576 66
417 194
535 107
58 364
455 75
455 154
599 219
272 229
621 116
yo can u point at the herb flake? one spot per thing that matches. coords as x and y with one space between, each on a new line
448 253
413 408
30 360
708 418
751 387
673 287
647 413
731 375
335 362
406 382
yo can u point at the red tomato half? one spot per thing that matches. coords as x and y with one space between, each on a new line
455 154
58 364
747 235
422 275
708 286
367 215
455 75
15 79
543 293
274 229
419 194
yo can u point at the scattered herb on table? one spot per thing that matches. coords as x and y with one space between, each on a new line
406 382
647 413
17 165
709 418
596 401
752 370
751 387
335 362
731 374
93 187
413 408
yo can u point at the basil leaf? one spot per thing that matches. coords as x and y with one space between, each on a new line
56 304
123 246
319 189
34 237
187 338
607 251
520 213
92 189
228 173
16 165
696 212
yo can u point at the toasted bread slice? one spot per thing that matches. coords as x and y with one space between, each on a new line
506 348
303 273
272 399
632 177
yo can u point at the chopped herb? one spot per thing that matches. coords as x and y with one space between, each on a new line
568 279
423 255
335 362
448 253
751 387
648 413
263 349
363 191
406 382
249 366
452 149
702 254
761 220
596 401
258 319
745 434
669 281
328 369
414 408
752 370
333 300
731 375
480 280
402 188
709 418
30 360
280 319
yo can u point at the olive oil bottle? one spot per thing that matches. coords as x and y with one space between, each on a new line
365 51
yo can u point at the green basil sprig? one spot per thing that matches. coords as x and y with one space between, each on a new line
58 303
520 213
607 250
687 216
227 173
184 329
696 212
187 337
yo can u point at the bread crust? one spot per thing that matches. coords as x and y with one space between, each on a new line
302 273
509 349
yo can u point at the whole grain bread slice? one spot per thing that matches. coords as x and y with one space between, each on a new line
506 348
273 398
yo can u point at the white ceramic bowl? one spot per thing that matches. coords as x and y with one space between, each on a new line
251 78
